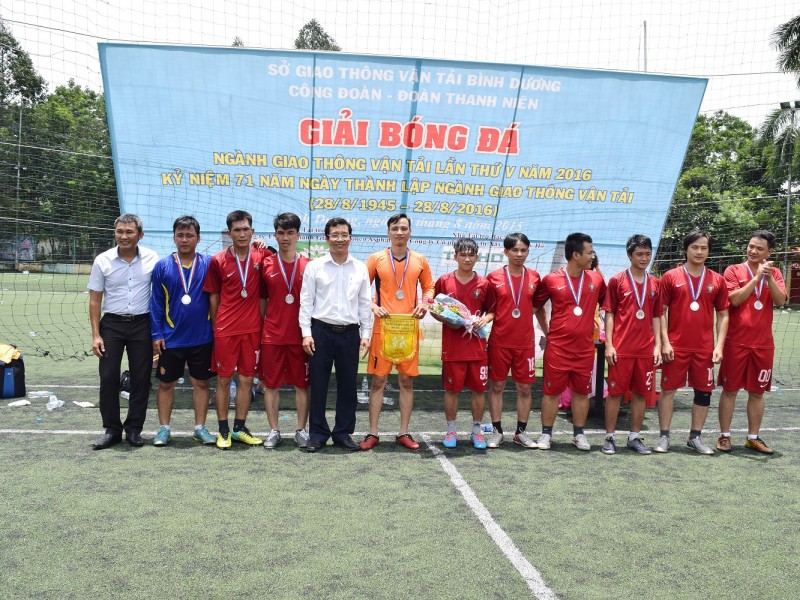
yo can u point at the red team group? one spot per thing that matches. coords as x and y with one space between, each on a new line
250 310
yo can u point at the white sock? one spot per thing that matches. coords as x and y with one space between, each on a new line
476 427
726 434
752 436
199 426
633 435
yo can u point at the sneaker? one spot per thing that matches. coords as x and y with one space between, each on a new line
758 445
724 443
369 442
495 439
203 436
662 447
698 445
301 438
406 441
224 440
273 439
637 445
162 437
543 443
581 443
449 440
523 439
478 441
609 447
245 437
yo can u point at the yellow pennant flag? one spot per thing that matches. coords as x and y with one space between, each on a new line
400 333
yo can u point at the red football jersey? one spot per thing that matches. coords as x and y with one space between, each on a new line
571 335
508 332
687 329
235 315
633 337
282 320
457 344
748 326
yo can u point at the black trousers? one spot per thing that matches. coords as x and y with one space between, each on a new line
341 350
134 337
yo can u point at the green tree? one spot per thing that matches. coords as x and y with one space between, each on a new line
237 42
313 37
786 40
19 81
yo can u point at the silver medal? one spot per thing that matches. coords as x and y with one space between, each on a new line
695 306
289 299
515 313
577 311
640 314
757 305
399 294
244 293
186 299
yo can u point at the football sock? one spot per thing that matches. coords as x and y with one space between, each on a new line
547 430
198 426
693 433
521 425
577 431
664 433
476 427
238 424
633 435
752 436
498 426
224 427
725 434
451 425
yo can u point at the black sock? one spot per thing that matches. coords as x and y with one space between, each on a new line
498 426
547 430
521 425
577 431
693 433
665 433
224 427
238 424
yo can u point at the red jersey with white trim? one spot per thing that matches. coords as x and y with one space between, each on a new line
282 320
457 344
690 330
571 335
748 326
508 332
633 337
235 315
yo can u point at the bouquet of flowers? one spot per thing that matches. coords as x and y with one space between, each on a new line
455 313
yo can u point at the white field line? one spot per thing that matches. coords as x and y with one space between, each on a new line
529 573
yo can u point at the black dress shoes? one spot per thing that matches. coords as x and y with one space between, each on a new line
314 445
135 438
346 442
107 440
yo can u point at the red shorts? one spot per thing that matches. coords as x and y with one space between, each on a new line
559 374
474 374
746 368
699 367
521 362
236 352
635 374
283 364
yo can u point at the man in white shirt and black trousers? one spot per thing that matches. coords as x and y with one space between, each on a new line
119 287
335 305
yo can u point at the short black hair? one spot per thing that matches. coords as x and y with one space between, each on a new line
186 222
465 245
238 215
512 238
575 243
337 221
638 240
395 218
286 220
765 235
693 236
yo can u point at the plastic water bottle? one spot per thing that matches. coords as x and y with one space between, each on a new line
232 393
181 380
54 403
40 394
365 386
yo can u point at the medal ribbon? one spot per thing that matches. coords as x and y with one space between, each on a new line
242 275
394 269
759 287
516 297
695 294
639 300
186 285
577 296
289 281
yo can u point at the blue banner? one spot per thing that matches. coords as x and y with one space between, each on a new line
466 149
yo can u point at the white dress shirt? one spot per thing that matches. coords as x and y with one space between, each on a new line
338 294
125 285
